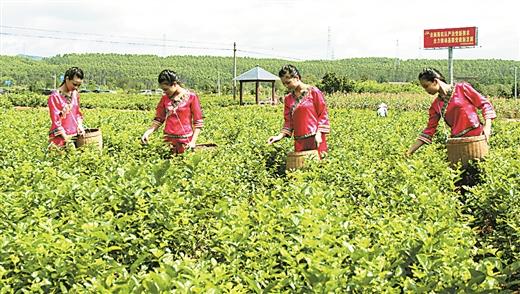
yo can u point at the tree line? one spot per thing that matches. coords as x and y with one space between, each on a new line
210 73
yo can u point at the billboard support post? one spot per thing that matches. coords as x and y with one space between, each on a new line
450 63
465 37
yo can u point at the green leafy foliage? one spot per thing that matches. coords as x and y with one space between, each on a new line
137 72
135 219
406 101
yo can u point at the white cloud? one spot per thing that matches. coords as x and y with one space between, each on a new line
288 28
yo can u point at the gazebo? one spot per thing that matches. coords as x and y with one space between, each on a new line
256 74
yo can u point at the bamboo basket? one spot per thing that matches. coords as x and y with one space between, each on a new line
296 160
465 149
91 137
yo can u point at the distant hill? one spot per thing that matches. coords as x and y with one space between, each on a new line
30 57
202 72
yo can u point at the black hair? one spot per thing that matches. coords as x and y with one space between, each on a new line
71 73
168 76
430 74
291 70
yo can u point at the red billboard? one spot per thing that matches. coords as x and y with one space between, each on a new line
455 37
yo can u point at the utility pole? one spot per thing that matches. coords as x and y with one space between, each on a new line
234 70
164 45
516 83
218 82
54 81
396 65
330 50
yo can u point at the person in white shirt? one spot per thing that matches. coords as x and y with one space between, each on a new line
382 110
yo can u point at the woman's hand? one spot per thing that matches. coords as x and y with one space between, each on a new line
191 145
487 131
81 130
144 138
318 139
275 139
67 138
487 128
414 148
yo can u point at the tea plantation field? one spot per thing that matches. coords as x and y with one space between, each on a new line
134 219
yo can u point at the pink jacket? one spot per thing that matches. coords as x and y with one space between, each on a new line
460 114
65 115
180 117
305 116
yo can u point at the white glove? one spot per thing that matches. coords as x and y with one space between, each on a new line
81 130
144 138
318 139
191 145
275 139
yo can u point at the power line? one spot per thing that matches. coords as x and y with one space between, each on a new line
108 35
146 44
267 54
330 49
114 42
162 43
